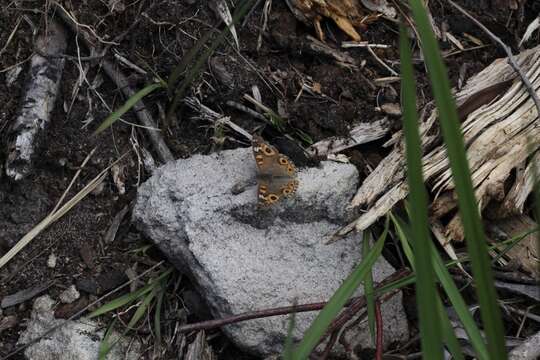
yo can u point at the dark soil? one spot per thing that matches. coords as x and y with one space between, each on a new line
165 32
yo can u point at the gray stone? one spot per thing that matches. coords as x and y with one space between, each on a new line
244 258
69 295
74 340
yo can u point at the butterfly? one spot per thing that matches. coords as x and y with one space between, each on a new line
277 174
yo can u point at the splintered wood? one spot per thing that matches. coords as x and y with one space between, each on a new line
501 135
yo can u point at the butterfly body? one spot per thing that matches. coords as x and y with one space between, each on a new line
276 175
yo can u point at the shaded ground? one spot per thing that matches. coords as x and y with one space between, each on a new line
165 32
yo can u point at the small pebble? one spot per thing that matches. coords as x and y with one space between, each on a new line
69 295
51 261
391 109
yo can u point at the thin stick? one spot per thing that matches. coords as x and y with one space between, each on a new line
73 180
10 37
211 324
330 344
380 61
356 302
511 59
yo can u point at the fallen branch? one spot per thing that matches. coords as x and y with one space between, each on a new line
498 119
42 87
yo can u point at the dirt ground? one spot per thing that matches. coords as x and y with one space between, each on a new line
165 32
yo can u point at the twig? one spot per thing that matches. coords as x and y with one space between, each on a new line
73 180
212 324
511 59
380 61
208 114
357 301
24 295
245 109
331 342
246 18
363 44
11 35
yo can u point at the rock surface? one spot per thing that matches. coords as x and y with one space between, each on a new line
245 258
74 340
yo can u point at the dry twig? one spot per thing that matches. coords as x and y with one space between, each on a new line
511 59
354 304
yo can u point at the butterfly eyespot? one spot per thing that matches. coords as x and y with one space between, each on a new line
283 161
268 151
272 198
286 191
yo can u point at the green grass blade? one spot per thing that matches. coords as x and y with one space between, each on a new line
403 235
196 68
127 298
426 292
141 309
513 241
450 339
186 60
450 288
452 291
106 345
112 118
398 284
338 300
368 288
120 301
468 209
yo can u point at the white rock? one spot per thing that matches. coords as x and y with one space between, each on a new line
69 295
74 340
243 258
51 261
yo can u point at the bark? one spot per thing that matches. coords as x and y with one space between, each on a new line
41 90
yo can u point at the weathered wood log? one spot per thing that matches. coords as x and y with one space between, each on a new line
500 135
40 94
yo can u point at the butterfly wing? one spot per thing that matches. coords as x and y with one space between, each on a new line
269 161
277 173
